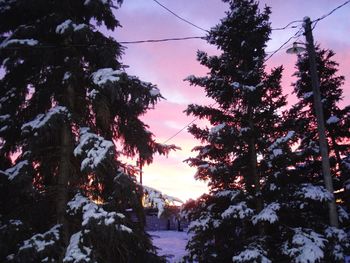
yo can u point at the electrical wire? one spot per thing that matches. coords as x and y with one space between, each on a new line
288 25
181 130
186 126
95 45
296 35
159 40
331 12
179 17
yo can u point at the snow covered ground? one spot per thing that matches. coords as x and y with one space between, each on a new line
170 243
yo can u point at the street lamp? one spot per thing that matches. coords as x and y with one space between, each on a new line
295 49
327 177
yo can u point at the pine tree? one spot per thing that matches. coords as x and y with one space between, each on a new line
336 118
245 121
67 112
260 208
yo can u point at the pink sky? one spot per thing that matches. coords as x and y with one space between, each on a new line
167 64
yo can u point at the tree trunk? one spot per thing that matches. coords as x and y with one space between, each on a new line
66 150
253 163
63 178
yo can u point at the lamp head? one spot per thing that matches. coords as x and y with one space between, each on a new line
295 49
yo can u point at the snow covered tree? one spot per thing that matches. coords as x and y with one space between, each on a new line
259 208
67 112
337 120
245 121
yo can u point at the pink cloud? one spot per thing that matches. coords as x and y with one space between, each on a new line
167 64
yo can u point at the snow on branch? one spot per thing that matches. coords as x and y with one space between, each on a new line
76 252
77 203
338 236
251 88
61 28
232 194
27 42
6 5
306 246
91 211
104 75
42 120
342 214
155 198
316 193
217 128
204 222
241 211
333 120
40 242
15 170
281 140
252 254
268 214
93 148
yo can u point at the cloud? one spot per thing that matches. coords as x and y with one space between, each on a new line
166 64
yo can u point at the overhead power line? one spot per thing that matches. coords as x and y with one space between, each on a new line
185 127
289 25
295 36
159 40
181 130
99 45
181 18
331 12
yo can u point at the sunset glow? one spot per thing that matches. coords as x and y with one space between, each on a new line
167 64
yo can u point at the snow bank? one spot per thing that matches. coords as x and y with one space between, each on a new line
171 244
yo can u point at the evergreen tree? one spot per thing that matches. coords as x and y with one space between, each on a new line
302 115
259 209
245 122
65 106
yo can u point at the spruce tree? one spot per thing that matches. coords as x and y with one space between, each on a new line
68 111
245 121
260 208
337 121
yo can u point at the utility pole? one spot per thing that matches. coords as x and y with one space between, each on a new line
327 177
